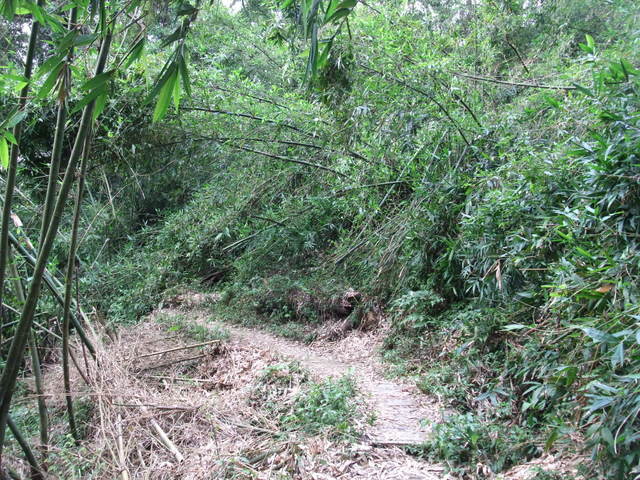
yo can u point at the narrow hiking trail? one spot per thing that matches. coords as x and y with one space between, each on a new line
183 395
401 415
171 404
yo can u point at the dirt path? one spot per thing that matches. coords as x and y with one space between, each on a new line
399 412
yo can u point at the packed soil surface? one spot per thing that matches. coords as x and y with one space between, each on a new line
402 415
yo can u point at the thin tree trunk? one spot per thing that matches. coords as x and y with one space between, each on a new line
10 373
13 161
68 291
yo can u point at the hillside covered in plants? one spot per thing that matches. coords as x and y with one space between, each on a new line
453 187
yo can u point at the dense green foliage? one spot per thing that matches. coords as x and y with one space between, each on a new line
425 163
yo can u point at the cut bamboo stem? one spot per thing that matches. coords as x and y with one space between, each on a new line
164 438
177 349
173 362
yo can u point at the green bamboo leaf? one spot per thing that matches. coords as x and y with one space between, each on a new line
312 60
15 118
101 101
82 40
584 90
37 12
164 98
10 137
617 358
177 33
4 153
49 65
9 8
50 81
91 96
12 76
98 81
184 75
134 54
176 91
343 12
598 336
324 55
185 9
552 439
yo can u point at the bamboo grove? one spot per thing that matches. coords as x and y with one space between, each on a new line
466 171
112 37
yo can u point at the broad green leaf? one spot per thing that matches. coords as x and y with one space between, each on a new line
184 75
176 92
598 336
552 439
599 402
37 12
14 119
4 153
9 8
134 54
17 78
49 65
324 55
515 326
177 33
82 40
185 9
343 12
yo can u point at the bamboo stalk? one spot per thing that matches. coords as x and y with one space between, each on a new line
515 84
124 473
10 373
36 471
53 284
68 293
35 361
12 168
58 138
